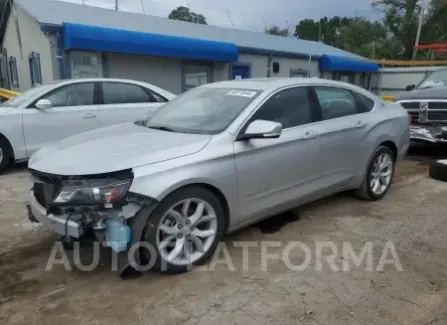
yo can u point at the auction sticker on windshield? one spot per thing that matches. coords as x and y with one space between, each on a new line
242 93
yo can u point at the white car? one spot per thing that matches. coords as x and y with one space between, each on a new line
48 113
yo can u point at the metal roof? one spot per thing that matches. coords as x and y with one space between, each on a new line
51 12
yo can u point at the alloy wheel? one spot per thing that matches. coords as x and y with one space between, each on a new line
381 173
186 231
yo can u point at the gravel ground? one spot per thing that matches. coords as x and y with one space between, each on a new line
411 217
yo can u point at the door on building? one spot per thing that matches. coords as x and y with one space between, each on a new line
240 72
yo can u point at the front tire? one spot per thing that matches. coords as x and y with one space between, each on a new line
184 230
5 154
379 175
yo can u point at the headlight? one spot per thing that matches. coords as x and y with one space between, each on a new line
97 192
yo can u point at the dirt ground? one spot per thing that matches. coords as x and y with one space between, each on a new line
412 217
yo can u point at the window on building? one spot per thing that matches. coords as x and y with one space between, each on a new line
79 94
347 77
122 93
35 68
13 75
336 102
290 107
85 64
365 80
195 75
299 73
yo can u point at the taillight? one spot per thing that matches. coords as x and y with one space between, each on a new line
409 118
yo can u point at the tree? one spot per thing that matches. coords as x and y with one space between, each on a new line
434 28
401 21
307 29
275 30
366 38
184 14
325 30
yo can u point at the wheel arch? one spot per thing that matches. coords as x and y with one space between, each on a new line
208 186
4 138
390 145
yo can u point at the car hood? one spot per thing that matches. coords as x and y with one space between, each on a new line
114 148
427 93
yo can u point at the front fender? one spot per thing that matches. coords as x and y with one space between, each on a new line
159 180
11 128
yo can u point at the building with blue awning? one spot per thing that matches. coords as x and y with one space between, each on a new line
46 40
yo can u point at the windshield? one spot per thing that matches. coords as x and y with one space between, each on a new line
23 97
435 79
202 110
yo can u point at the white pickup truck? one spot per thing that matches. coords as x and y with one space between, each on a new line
48 113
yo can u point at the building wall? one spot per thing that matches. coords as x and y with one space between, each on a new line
53 55
286 64
260 65
33 40
160 71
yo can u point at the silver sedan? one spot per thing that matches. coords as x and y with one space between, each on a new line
215 159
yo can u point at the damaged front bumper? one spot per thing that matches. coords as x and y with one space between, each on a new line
428 133
64 224
77 225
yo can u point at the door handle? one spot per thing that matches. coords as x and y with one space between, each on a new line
309 135
89 115
360 124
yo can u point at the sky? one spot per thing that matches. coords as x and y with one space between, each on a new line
252 15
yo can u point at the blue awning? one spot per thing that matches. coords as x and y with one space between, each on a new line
339 63
95 38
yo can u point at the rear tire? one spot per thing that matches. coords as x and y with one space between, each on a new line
368 190
5 154
438 170
166 229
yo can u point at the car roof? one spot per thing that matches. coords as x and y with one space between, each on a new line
266 84
159 90
75 80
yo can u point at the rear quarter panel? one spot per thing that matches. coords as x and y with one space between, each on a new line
388 122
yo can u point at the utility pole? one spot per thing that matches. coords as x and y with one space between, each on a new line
418 33
229 17
319 31
373 50
116 5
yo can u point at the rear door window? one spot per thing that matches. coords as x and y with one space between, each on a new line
122 93
336 102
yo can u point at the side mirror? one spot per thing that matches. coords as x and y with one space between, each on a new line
410 87
262 129
44 104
